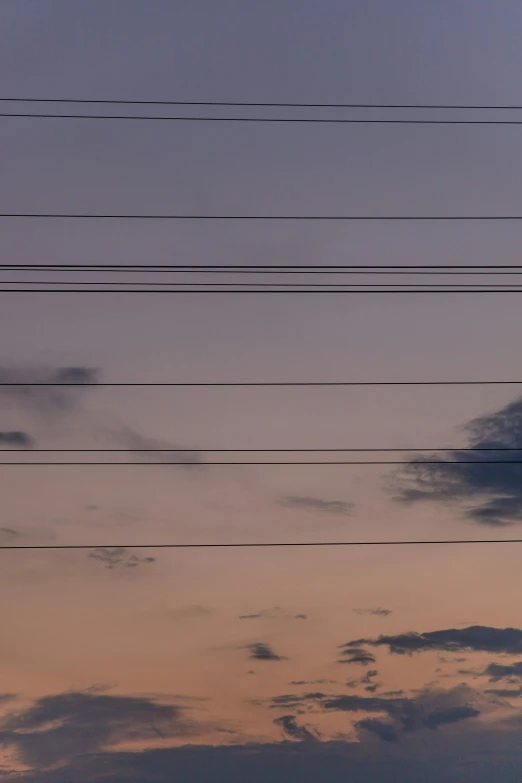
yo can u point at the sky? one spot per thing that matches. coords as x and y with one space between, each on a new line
126 662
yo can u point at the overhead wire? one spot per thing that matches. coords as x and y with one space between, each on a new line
198 449
259 291
265 104
87 384
201 464
262 544
265 120
354 218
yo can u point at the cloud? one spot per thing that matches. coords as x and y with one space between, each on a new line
498 671
291 729
8 534
153 449
505 693
442 717
377 611
428 710
16 440
479 638
318 504
313 682
276 613
118 557
468 753
366 680
491 494
385 730
50 401
45 399
357 655
60 727
193 612
260 651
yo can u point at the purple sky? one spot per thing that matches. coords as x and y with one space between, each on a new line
288 665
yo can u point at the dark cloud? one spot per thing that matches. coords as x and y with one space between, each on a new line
357 655
276 613
469 753
294 700
60 727
318 504
442 717
429 709
313 682
491 494
499 671
118 557
377 611
291 729
45 399
478 638
260 651
16 440
385 730
505 693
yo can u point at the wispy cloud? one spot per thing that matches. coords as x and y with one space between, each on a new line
259 651
359 655
8 534
429 709
377 611
16 439
294 731
310 503
192 612
276 613
118 557
146 448
41 398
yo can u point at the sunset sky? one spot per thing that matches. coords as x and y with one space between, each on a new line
368 664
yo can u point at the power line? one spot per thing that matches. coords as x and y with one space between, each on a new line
193 464
266 120
263 104
377 269
103 384
255 451
260 545
258 291
87 216
326 286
